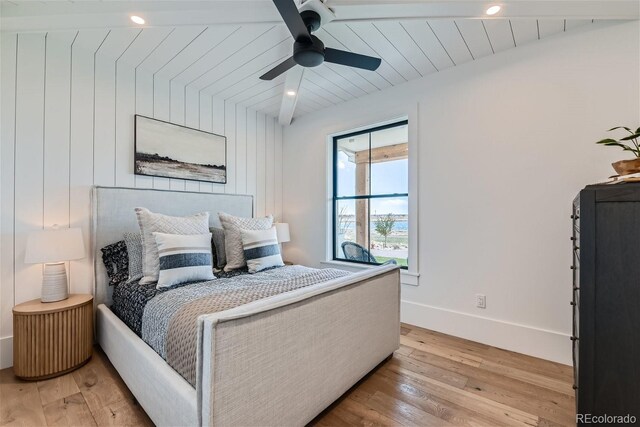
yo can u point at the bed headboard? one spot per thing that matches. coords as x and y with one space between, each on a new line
112 214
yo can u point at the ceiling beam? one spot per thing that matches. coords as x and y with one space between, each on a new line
291 85
62 15
386 153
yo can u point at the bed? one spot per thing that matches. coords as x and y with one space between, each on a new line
279 360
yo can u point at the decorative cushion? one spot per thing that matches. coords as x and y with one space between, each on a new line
134 254
183 258
233 240
150 223
261 249
116 262
219 255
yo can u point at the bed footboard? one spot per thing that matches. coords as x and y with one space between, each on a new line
283 361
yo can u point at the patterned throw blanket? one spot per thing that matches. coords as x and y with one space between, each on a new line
170 319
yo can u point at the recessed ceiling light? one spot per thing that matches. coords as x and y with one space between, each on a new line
137 19
493 10
291 92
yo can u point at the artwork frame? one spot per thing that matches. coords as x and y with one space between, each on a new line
159 151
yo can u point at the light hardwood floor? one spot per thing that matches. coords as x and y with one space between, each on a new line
91 395
432 380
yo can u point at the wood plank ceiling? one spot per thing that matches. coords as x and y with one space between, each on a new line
224 61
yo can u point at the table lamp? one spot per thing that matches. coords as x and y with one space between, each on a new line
53 247
282 231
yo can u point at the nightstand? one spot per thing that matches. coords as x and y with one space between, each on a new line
51 339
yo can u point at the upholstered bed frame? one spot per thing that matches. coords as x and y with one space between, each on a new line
276 361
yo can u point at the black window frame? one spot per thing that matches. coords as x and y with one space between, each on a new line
336 198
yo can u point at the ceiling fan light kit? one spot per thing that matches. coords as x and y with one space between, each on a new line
308 50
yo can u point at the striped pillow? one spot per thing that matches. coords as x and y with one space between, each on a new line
261 249
183 258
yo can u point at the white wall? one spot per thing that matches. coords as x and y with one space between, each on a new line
504 144
68 100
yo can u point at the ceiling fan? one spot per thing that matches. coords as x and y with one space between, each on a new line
308 50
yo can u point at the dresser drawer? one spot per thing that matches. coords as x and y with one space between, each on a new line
575 336
576 312
576 364
575 267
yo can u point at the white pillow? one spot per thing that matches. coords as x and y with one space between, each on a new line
261 249
150 223
233 240
183 258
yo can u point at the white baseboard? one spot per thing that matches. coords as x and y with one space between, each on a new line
6 352
545 344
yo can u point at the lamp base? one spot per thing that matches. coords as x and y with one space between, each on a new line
54 283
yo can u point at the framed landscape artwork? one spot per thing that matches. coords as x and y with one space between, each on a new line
173 151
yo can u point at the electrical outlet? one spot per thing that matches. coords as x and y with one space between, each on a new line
481 301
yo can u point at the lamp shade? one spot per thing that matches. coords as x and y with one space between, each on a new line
282 230
54 245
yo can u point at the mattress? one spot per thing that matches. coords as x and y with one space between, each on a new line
166 319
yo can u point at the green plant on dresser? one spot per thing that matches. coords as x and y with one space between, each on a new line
627 143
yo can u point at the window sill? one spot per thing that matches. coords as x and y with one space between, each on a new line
406 277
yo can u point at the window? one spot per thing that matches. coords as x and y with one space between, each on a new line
371 194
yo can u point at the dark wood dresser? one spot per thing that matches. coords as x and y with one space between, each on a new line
606 300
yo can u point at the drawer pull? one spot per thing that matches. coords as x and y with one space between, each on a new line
575 387
575 288
575 216
572 303
573 238
573 338
573 267
576 248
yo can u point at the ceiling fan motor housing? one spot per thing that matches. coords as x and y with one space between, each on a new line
308 53
311 19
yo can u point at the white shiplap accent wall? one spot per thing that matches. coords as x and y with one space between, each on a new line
68 100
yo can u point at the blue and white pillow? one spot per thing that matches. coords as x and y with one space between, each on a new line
183 258
261 249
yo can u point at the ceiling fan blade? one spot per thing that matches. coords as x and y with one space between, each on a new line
292 18
351 59
278 69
